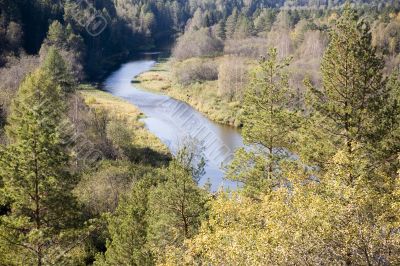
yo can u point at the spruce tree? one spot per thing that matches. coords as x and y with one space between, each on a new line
37 185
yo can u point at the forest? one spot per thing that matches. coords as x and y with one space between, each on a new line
312 86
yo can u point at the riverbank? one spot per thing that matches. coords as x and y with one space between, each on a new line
119 109
201 96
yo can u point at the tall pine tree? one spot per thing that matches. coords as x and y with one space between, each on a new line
353 103
176 206
40 225
268 124
231 22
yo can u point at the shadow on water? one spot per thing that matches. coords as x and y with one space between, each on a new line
172 121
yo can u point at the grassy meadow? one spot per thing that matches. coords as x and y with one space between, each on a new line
202 95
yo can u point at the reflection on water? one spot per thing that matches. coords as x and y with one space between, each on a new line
173 121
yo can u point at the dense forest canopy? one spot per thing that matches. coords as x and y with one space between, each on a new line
135 25
313 84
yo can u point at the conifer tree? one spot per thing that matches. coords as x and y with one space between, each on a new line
176 207
221 30
57 34
244 28
352 102
268 124
37 185
128 229
58 70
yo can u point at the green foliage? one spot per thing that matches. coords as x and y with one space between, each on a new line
264 21
221 30
176 207
200 43
334 200
268 123
343 214
231 24
244 28
352 107
162 210
43 219
120 136
100 191
128 229
56 34
58 70
325 222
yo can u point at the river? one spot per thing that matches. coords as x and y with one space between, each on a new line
174 122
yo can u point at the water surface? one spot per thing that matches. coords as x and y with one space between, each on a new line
174 122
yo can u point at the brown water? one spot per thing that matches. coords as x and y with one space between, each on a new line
173 122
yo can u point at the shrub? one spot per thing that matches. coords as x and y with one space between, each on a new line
195 70
197 43
12 75
232 78
100 191
251 47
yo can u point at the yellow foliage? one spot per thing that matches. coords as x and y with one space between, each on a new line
334 16
329 222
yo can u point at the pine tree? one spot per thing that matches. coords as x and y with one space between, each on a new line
58 70
37 185
355 128
175 208
57 34
128 229
354 94
260 23
221 30
268 124
244 28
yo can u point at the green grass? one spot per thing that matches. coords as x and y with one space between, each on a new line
122 110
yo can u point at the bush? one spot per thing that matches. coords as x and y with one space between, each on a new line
195 70
100 191
251 47
197 43
120 135
232 78
313 46
12 75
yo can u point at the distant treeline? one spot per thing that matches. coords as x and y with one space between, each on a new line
134 25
